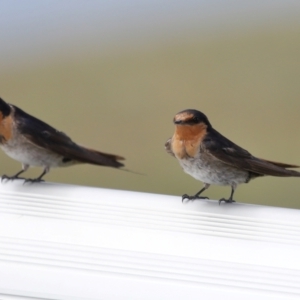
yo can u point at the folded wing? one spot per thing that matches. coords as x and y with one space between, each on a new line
230 153
45 136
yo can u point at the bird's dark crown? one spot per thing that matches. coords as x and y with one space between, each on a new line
4 108
191 117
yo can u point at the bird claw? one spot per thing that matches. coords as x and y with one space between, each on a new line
8 178
33 180
226 200
192 198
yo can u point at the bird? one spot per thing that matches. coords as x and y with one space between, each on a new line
35 143
210 157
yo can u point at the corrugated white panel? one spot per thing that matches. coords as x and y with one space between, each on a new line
72 242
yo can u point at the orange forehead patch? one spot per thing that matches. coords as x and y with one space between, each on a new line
183 116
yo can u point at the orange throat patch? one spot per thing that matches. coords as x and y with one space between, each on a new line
187 139
5 128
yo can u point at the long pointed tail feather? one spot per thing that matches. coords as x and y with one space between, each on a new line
102 159
283 169
282 165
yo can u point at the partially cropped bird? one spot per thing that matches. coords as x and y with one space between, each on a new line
211 158
35 143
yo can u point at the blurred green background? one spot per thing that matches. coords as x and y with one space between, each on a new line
117 91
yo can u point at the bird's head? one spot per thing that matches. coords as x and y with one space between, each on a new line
5 108
191 117
191 124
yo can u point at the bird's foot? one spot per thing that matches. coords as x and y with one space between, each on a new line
33 180
226 200
192 198
8 178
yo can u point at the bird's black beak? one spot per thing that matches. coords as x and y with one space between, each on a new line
177 122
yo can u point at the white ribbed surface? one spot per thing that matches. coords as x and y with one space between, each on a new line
71 242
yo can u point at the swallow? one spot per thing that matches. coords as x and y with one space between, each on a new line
35 143
210 157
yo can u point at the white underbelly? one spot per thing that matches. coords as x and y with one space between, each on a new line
31 155
213 172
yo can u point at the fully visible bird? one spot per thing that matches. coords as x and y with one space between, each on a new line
210 157
35 143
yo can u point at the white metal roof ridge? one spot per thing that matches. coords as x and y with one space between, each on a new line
72 242
130 215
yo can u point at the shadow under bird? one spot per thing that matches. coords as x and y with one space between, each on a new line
211 158
35 143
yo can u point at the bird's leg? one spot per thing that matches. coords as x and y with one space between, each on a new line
38 179
229 200
16 176
196 196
